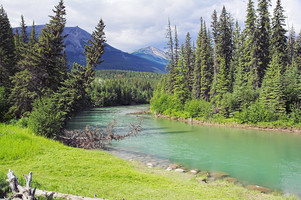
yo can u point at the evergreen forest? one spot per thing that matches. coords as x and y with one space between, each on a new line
246 75
36 87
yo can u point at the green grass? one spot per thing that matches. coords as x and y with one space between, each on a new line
64 169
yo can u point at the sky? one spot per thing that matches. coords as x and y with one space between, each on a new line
134 24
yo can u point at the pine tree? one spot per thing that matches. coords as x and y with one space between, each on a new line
176 48
250 62
291 45
214 25
32 38
196 87
23 94
279 39
18 46
170 67
224 53
297 54
188 59
51 46
291 84
181 88
262 36
94 51
206 65
272 91
23 35
7 50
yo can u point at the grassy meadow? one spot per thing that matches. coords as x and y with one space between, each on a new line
64 169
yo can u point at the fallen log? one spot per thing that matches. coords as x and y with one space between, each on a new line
27 193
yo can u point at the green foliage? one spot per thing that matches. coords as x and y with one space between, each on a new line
199 109
45 119
255 113
23 94
4 186
279 39
3 103
7 49
272 90
112 87
295 115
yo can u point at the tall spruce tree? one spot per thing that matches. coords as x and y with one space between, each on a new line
188 58
176 48
297 53
250 62
224 53
196 86
94 51
262 36
291 45
272 89
279 39
51 46
181 87
7 50
206 65
32 38
23 34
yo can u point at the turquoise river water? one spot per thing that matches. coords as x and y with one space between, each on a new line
270 159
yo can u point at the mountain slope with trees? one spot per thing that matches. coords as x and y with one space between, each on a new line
113 58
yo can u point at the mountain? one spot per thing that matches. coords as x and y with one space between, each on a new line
152 54
113 58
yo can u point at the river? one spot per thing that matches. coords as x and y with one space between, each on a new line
270 159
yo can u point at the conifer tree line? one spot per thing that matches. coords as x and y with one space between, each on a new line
252 74
35 83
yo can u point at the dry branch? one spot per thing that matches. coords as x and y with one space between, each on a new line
96 138
27 193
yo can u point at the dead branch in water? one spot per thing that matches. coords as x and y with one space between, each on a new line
96 138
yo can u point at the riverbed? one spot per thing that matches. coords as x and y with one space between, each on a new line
269 159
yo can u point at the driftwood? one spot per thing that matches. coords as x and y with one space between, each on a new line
96 138
20 192
27 193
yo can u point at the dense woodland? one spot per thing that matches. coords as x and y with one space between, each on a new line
250 75
116 87
35 83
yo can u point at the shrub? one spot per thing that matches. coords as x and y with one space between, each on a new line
4 187
295 113
3 103
45 119
199 109
256 112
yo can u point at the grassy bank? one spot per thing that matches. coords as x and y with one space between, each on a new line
234 123
64 169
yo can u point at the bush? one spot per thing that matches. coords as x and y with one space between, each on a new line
199 109
256 112
295 115
3 104
4 187
45 119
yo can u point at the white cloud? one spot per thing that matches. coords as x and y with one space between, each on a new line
132 24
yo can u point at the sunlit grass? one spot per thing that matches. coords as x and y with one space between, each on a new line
64 169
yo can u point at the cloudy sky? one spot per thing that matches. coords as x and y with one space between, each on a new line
133 24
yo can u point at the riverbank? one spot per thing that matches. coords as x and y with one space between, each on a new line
64 169
232 124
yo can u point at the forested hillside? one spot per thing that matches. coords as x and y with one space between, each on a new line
35 83
116 87
251 74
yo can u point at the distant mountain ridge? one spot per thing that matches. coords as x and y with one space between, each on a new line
113 58
152 54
